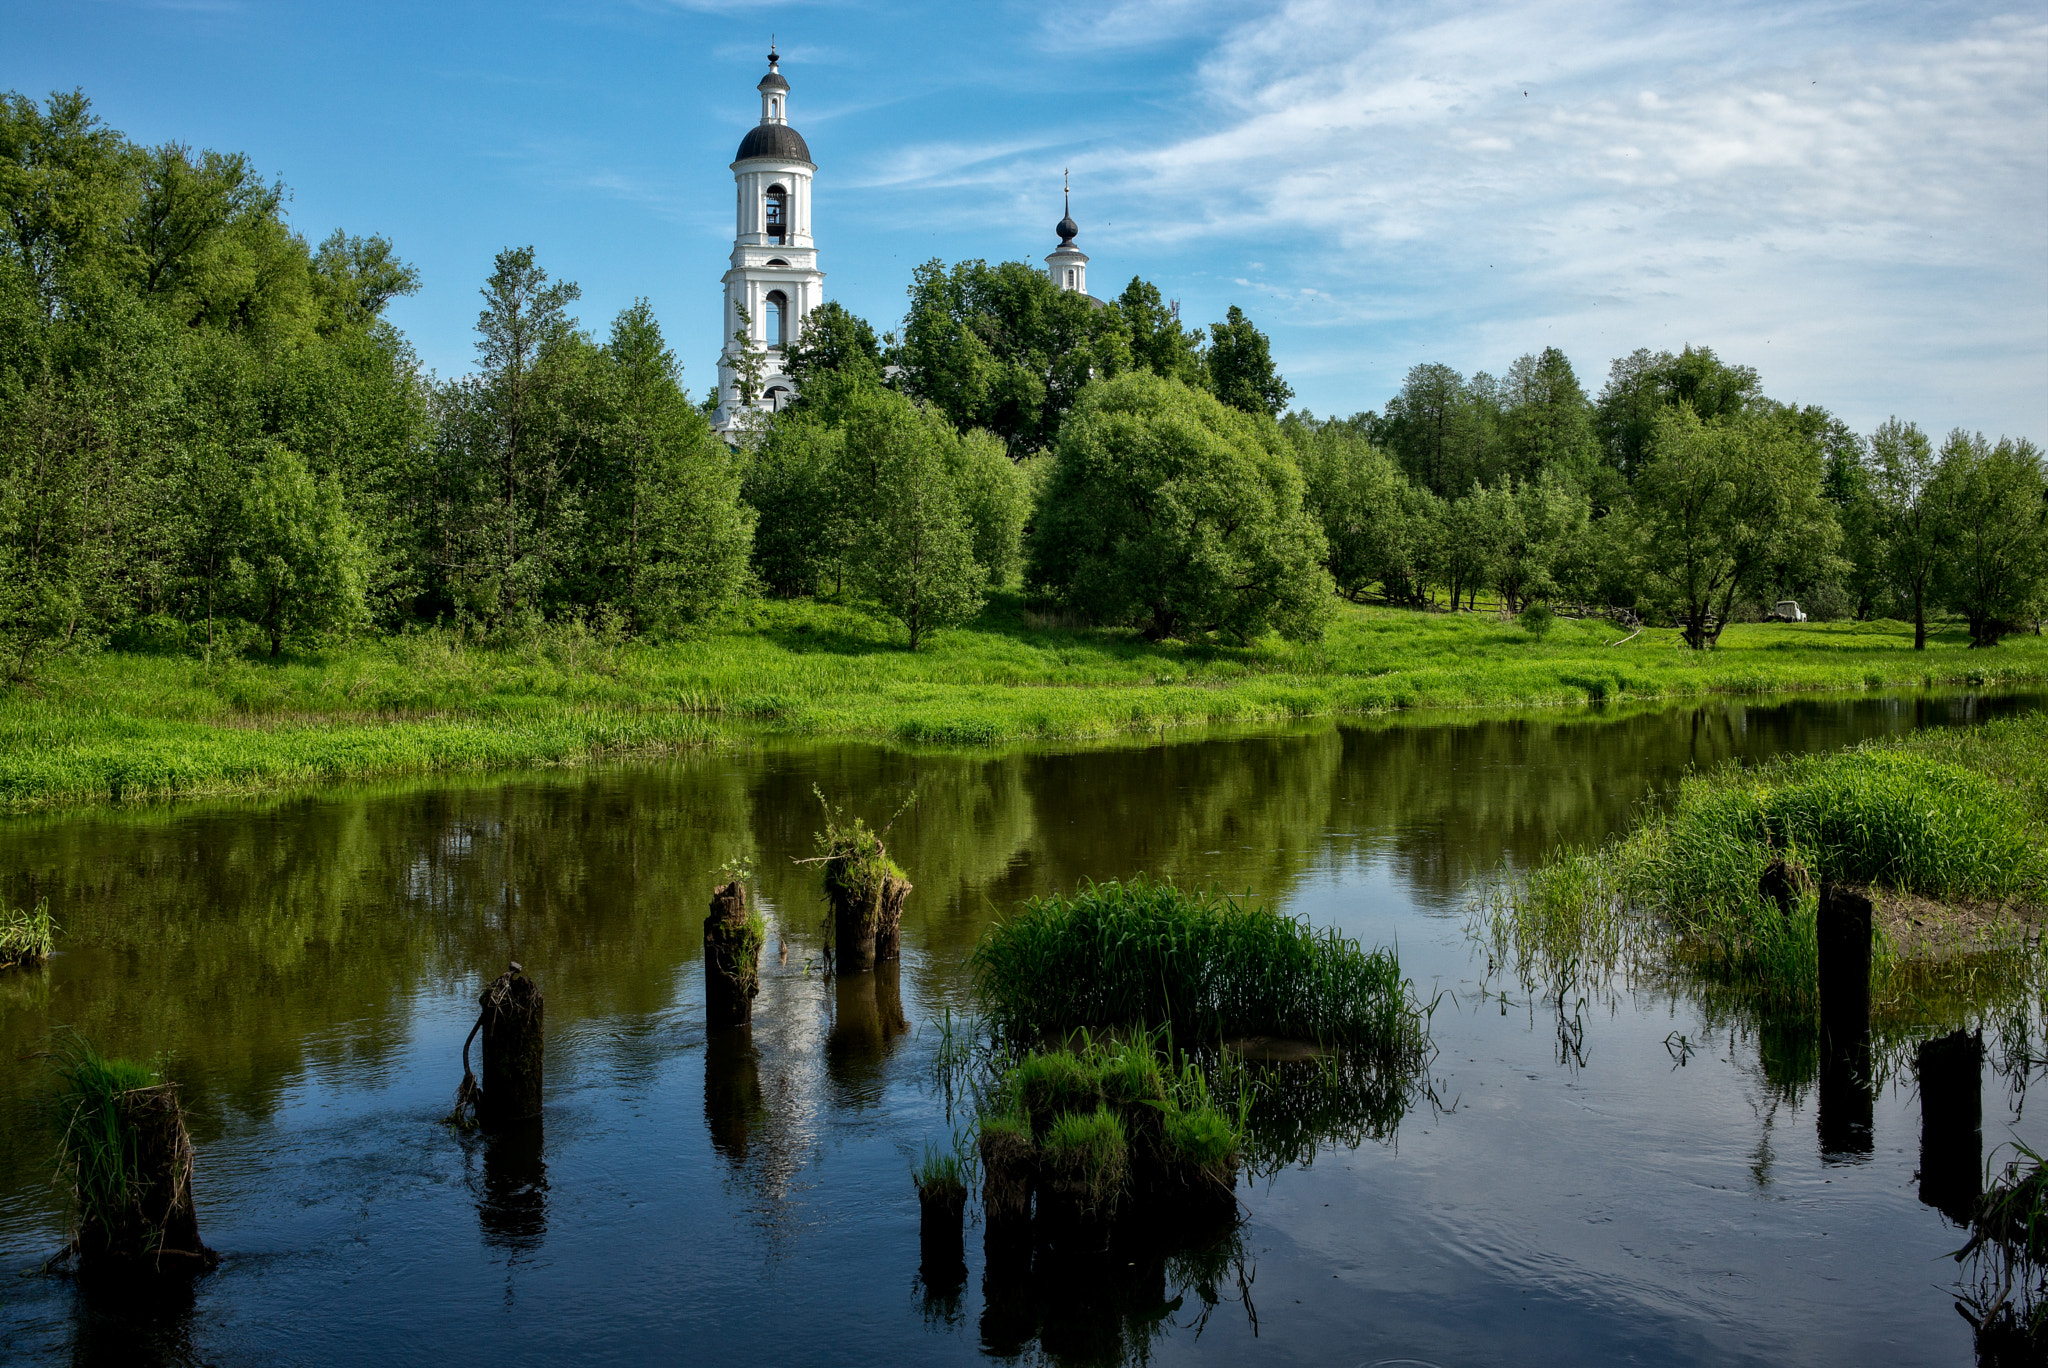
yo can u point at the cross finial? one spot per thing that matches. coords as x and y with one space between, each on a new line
772 59
1067 191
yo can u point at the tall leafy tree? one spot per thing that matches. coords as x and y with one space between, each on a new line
665 537
1644 384
1721 505
1168 511
912 549
1904 530
1158 342
1003 349
1546 421
1360 499
1241 369
1990 506
1438 429
507 510
300 569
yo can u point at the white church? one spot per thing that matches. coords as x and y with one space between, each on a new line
774 281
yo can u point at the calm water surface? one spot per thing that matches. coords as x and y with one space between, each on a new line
308 967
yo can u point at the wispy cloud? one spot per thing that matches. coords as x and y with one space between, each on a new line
1851 196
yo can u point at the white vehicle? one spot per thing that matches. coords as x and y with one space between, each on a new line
1787 610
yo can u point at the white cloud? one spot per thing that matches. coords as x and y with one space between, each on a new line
1852 197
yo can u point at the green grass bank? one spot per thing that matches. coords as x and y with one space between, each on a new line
1946 830
127 725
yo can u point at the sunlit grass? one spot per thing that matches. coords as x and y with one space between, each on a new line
127 725
1149 955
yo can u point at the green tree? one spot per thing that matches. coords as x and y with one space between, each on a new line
665 536
912 550
1990 510
1002 348
1643 385
1241 370
66 184
1169 511
1359 498
994 496
1437 429
507 511
1903 529
1158 342
791 483
1546 422
1722 505
301 569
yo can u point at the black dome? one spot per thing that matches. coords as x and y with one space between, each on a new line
1068 230
773 140
772 81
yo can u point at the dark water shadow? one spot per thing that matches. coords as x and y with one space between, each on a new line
867 1025
1113 1304
1950 1069
734 1107
512 1206
124 1322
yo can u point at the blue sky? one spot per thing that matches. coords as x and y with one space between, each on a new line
1851 197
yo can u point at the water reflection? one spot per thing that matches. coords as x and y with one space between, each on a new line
512 1206
1112 1306
1950 1070
120 1324
867 1022
733 1105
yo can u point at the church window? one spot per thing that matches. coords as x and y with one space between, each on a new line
777 307
778 213
778 398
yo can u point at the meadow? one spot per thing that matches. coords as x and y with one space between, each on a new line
130 724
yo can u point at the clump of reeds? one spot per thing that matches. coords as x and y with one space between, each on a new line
1147 955
1007 1155
26 935
864 888
124 1149
941 1175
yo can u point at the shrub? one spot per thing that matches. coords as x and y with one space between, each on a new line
1149 955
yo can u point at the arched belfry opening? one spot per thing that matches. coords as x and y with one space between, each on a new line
776 219
775 319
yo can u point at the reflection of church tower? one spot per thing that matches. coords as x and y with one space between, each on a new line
1067 264
774 270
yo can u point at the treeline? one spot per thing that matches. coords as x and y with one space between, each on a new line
210 438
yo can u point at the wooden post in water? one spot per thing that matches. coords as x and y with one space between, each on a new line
732 959
1951 1070
511 1026
1844 934
889 925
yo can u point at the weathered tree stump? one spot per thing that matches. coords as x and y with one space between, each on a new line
889 919
1951 1070
732 959
156 1229
512 1029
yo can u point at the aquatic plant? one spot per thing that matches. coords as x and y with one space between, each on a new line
1085 1157
1146 955
26 935
2005 1296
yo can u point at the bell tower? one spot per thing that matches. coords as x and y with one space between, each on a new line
774 275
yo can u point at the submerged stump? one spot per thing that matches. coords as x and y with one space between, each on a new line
511 1026
732 959
140 1219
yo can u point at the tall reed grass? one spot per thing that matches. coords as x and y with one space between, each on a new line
27 935
1947 817
1148 955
